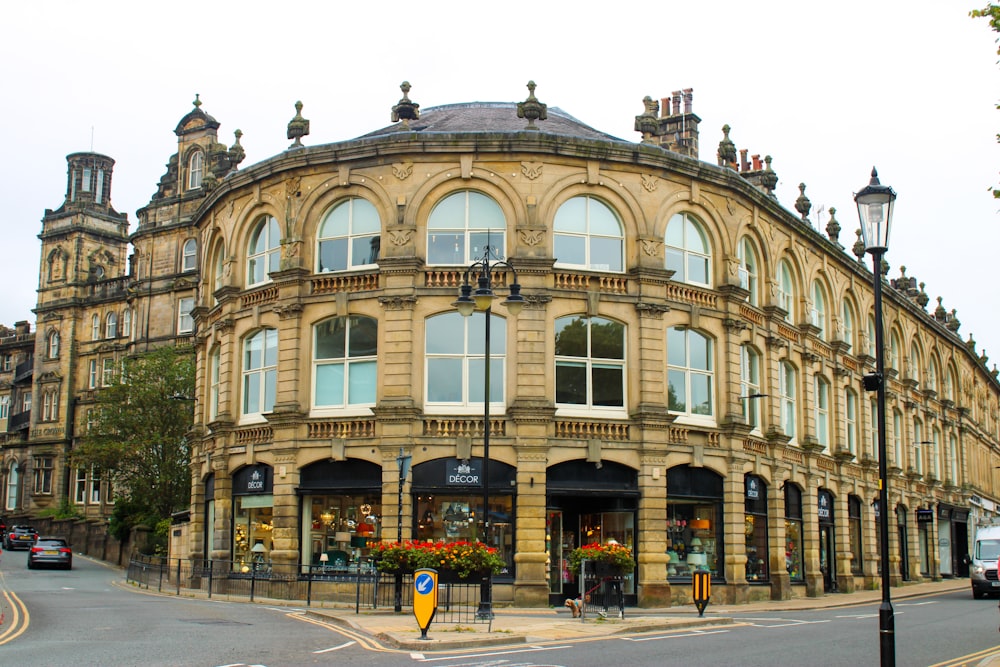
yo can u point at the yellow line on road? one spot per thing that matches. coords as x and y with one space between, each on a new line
969 660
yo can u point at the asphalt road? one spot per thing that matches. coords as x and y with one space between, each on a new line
89 616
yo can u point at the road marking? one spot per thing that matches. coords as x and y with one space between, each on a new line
915 604
465 656
970 659
779 622
696 633
335 648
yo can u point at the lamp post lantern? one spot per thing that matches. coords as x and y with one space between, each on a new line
875 202
403 464
467 303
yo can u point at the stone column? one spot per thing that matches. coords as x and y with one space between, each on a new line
734 509
810 539
842 548
651 576
531 586
285 513
781 581
223 511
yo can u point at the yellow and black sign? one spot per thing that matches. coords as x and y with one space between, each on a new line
425 598
701 589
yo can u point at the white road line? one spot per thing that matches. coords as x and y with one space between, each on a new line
334 648
696 633
466 656
915 604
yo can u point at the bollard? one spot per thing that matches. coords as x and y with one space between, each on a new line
701 585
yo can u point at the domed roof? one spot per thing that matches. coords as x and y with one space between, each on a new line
491 117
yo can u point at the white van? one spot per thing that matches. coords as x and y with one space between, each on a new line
983 562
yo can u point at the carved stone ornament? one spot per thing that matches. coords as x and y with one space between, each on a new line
531 170
651 247
402 170
650 182
531 237
397 302
400 237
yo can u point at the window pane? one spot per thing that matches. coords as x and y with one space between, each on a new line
330 384
695 239
364 250
675 262
477 334
675 232
477 381
572 216
333 255
484 212
449 213
330 338
570 249
254 352
270 389
697 269
270 347
256 271
608 388
446 334
676 347
446 249
364 337
571 383
364 217
571 337
676 391
701 394
603 220
273 261
251 393
336 222
444 380
701 348
479 240
605 254
361 389
607 339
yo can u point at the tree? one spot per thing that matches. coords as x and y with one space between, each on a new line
991 12
138 435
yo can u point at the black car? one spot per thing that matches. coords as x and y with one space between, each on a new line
50 551
20 537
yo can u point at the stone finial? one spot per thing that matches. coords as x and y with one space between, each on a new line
531 108
236 152
405 110
940 314
859 247
298 127
727 149
970 344
953 321
646 122
833 227
197 101
922 297
802 204
770 179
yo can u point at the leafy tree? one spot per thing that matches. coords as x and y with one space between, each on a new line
992 13
138 437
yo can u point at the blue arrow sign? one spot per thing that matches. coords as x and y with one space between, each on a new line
424 583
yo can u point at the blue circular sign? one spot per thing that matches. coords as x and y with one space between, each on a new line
424 584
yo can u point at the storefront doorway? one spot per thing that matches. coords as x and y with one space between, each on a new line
827 541
904 543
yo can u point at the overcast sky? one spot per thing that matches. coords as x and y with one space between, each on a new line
827 89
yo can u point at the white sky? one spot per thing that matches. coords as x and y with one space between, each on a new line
827 89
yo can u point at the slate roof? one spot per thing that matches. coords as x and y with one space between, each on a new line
491 117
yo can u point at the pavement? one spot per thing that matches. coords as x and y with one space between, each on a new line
514 625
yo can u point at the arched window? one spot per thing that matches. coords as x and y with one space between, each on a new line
950 383
95 327
264 253
848 318
897 438
750 385
456 360
687 250
590 363
127 323
748 270
13 481
349 236
587 234
189 260
218 270
821 402
53 344
936 453
918 446
195 167
786 290
894 348
214 382
260 372
344 362
932 375
787 381
111 325
914 372
851 420
819 311
689 372
953 460
871 337
462 225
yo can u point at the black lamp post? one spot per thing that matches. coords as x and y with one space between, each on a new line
467 303
403 464
875 203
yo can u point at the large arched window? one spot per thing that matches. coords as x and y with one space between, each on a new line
264 252
218 270
111 325
821 405
915 370
689 372
687 251
897 438
462 225
932 375
588 235
344 362
851 420
918 446
195 168
214 381
260 372
894 351
750 385
456 360
787 381
786 290
748 270
848 322
349 236
189 255
590 363
953 460
871 337
818 316
936 453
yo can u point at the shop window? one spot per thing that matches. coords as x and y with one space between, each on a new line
456 360
854 527
260 372
793 533
689 372
458 517
755 529
462 226
264 252
344 362
252 526
590 363
345 527
349 236
694 522
687 251
588 235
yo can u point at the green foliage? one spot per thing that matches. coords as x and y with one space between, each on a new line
613 554
66 510
463 558
138 438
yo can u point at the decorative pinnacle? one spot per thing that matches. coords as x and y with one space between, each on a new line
197 101
298 127
531 108
405 110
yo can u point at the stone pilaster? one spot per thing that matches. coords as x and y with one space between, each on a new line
654 589
781 581
531 587
842 548
285 517
810 539
734 506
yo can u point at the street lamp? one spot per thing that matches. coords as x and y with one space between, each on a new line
403 464
467 303
875 203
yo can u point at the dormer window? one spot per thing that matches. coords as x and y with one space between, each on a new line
195 170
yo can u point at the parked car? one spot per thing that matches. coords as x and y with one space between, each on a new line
20 537
50 551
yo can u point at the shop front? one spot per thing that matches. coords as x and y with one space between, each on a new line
695 523
253 517
925 532
755 529
827 540
341 510
588 505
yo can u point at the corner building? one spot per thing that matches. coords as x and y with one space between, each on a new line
684 378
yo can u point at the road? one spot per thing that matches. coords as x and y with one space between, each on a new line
89 616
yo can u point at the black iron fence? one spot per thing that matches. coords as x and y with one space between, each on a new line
359 586
604 591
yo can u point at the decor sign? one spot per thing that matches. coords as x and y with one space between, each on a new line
463 473
253 480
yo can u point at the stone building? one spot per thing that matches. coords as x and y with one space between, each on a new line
684 376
